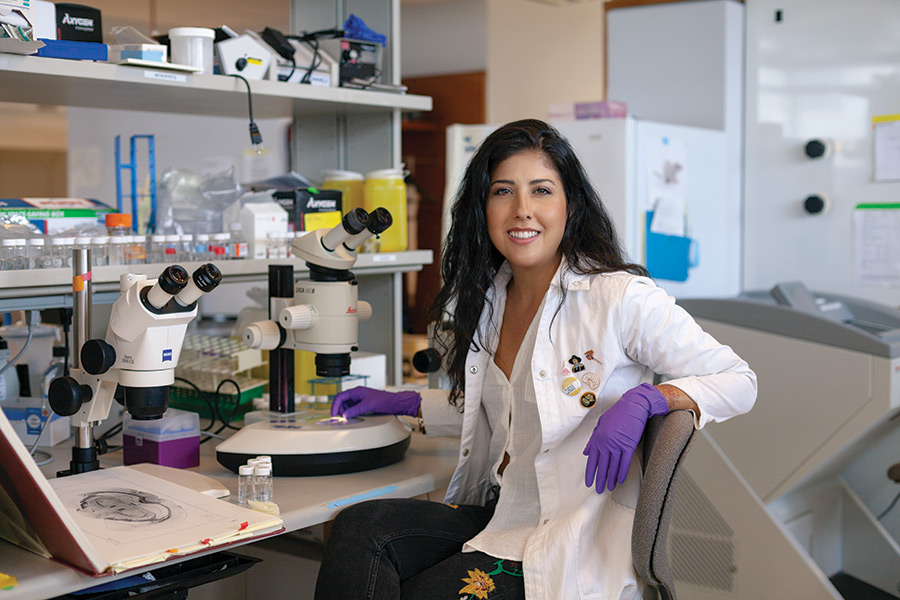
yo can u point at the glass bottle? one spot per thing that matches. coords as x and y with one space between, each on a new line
263 484
201 247
157 248
245 484
138 249
239 245
186 247
13 257
118 224
37 253
62 251
117 249
220 240
170 254
100 250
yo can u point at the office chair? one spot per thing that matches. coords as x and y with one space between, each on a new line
667 439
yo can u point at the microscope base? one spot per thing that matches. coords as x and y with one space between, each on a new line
313 443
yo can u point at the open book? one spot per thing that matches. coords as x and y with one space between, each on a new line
113 520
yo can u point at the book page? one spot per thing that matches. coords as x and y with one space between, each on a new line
39 512
131 516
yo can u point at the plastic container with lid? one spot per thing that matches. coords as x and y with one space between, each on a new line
193 46
173 246
157 253
386 188
118 224
118 249
350 184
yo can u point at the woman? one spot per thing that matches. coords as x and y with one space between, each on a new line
552 338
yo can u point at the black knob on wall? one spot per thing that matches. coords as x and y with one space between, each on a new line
815 149
815 204
427 361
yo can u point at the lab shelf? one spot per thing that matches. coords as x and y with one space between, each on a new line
49 288
39 80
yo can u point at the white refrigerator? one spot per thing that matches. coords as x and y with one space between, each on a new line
673 196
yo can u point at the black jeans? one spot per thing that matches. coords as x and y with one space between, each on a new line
410 549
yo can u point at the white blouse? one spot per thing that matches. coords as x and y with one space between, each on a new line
511 409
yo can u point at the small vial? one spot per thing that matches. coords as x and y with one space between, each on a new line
263 483
245 484
220 240
138 249
62 251
157 248
118 250
201 247
100 250
186 249
239 246
38 257
83 241
170 254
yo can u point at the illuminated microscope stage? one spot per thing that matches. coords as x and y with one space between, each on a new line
312 442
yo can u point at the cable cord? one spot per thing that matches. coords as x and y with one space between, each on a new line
255 135
18 355
888 509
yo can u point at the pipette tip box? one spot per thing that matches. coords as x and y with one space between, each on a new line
172 441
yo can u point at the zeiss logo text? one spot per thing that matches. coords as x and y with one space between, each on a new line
167 355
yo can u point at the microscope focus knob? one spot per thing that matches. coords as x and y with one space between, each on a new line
264 335
427 360
363 310
66 395
299 316
97 357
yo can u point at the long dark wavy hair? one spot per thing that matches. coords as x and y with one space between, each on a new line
469 259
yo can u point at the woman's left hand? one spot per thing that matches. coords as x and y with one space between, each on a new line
617 434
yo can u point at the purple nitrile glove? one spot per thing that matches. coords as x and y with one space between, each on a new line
362 400
617 434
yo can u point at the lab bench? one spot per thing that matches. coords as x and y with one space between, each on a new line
303 501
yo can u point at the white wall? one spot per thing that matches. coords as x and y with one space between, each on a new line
538 54
443 37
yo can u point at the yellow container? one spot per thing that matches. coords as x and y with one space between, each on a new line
304 370
350 185
385 188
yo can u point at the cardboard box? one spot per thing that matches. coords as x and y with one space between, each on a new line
149 52
78 23
311 208
52 215
28 419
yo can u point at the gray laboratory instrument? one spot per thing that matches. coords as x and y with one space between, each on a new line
783 502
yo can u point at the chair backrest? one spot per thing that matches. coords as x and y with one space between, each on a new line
667 439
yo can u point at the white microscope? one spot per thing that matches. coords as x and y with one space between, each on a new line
139 354
322 315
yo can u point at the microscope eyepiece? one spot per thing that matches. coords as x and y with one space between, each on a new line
204 280
379 220
170 282
207 277
352 224
355 221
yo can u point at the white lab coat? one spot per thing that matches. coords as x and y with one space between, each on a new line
582 546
